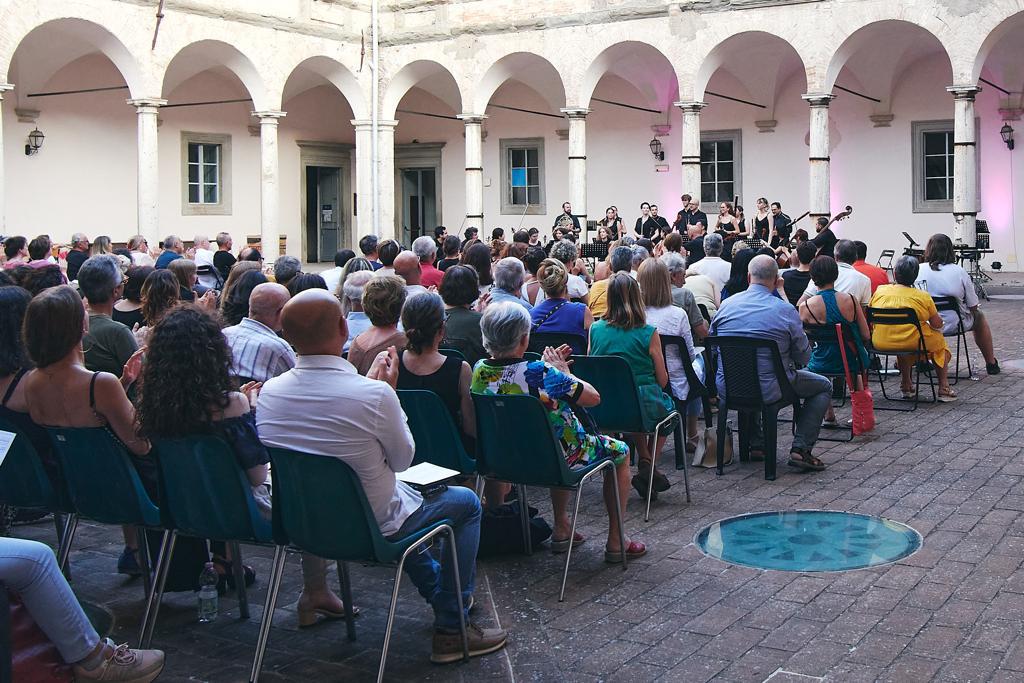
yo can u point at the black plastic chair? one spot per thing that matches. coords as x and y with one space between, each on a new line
952 304
695 388
539 340
739 357
826 335
901 316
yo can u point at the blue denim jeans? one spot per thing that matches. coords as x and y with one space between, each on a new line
30 570
436 580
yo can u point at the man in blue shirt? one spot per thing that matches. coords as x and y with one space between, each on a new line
173 248
758 313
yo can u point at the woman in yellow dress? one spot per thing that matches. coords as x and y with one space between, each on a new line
903 294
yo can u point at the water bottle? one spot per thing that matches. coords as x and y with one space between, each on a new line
208 594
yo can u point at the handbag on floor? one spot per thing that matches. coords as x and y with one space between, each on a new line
706 454
861 399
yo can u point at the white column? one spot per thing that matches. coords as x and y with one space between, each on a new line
364 180
474 170
270 190
820 198
691 147
386 179
4 87
147 109
965 164
578 163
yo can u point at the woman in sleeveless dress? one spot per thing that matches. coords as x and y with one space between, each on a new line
830 307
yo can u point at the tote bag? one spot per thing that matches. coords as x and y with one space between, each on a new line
861 399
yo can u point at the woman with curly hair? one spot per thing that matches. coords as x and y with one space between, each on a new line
187 390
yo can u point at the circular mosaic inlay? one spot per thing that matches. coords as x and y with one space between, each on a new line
808 541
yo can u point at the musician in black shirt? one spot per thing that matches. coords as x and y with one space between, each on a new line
825 240
783 226
567 211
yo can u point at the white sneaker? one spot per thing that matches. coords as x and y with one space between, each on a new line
125 665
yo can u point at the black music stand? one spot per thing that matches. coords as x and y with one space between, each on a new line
594 250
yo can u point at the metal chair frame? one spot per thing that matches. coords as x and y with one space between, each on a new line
901 316
826 334
951 304
695 388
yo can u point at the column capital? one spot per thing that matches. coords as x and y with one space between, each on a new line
470 119
146 104
367 124
822 99
269 116
576 112
964 92
690 107
4 87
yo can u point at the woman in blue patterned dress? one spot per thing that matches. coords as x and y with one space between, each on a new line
506 335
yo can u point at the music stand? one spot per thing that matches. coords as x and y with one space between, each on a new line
594 250
911 240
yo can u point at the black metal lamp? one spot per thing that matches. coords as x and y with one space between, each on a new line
35 141
657 150
1007 134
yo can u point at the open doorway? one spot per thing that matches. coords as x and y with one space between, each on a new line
324 220
419 203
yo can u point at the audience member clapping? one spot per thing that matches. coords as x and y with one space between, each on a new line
383 298
506 331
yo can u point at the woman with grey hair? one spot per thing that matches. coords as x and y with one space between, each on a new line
565 251
422 366
509 274
352 301
356 265
903 294
506 333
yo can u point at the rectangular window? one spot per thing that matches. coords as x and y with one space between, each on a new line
720 168
522 176
203 173
933 166
206 174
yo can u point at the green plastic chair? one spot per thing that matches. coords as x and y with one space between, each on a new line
619 411
533 458
343 530
452 353
438 440
205 494
103 486
25 484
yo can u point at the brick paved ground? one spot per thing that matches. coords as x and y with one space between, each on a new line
952 612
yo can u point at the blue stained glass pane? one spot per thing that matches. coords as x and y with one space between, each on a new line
518 177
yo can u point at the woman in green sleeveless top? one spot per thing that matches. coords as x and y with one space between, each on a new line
624 332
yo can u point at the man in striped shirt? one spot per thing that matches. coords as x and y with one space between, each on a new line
257 352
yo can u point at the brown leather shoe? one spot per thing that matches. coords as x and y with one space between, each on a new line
482 641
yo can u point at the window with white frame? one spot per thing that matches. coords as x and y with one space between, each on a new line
206 174
933 151
522 176
720 168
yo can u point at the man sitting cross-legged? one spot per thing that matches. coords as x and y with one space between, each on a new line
324 407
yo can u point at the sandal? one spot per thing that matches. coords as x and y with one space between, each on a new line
563 545
805 461
226 579
947 395
634 550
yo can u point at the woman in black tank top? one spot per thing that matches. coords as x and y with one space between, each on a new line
423 366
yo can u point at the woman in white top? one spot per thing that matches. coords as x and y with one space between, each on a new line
943 277
139 248
656 288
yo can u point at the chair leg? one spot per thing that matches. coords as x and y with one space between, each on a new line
158 590
458 593
524 519
478 486
771 443
238 570
720 455
161 558
652 444
145 562
680 448
391 618
273 587
346 596
67 538
153 608
572 535
745 423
